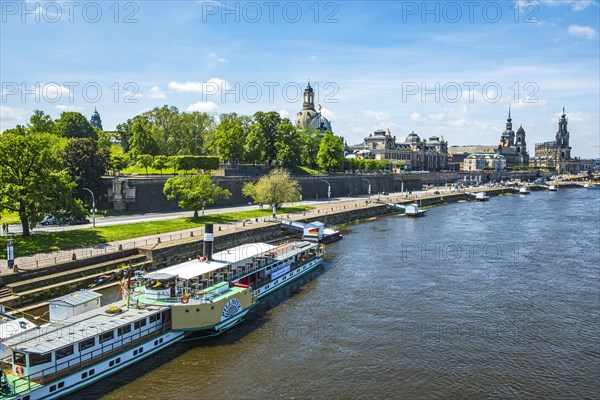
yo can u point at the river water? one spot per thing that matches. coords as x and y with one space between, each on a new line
476 300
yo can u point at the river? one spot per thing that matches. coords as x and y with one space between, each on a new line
476 300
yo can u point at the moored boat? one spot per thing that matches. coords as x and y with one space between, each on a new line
84 342
552 188
412 210
524 190
481 196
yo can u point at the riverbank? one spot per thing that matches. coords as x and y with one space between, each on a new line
37 284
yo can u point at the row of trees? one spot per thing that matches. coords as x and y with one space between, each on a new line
45 164
265 137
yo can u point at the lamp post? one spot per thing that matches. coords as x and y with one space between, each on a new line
401 186
369 182
10 253
328 189
93 207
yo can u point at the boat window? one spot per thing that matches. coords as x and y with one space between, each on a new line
124 330
140 323
19 358
38 359
154 317
64 352
86 344
61 385
106 336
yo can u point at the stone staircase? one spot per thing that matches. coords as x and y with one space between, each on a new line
48 285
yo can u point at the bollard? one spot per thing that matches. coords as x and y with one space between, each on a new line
243 223
158 241
74 257
219 228
120 247
192 234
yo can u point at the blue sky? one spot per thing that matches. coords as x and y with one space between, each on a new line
436 68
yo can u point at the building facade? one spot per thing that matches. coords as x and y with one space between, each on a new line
417 154
556 154
480 161
513 146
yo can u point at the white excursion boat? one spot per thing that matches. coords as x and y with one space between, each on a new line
412 210
84 342
552 188
592 185
524 190
481 196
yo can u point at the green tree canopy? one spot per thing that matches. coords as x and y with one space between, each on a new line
194 192
141 140
288 144
331 152
32 181
40 123
275 188
86 162
145 161
267 123
74 125
230 136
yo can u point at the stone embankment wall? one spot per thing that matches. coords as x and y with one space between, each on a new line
150 198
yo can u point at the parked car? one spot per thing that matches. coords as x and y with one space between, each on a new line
78 221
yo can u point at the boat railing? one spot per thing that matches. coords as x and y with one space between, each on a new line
86 359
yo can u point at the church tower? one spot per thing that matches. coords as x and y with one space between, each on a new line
508 136
521 145
308 112
562 139
95 120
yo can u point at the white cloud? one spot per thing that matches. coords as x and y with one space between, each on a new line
51 92
212 86
203 106
330 115
437 116
586 32
216 59
156 93
460 122
283 113
377 115
416 117
65 107
576 5
11 113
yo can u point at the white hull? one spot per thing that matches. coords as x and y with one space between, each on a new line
287 278
102 369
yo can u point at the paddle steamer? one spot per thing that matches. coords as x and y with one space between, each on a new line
88 342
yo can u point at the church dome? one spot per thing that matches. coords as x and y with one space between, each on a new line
320 122
304 118
413 138
521 130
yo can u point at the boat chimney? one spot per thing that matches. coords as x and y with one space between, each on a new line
207 244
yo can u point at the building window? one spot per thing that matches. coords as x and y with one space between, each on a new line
64 352
86 344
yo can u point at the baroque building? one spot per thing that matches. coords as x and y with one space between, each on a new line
416 154
308 117
95 120
556 154
513 146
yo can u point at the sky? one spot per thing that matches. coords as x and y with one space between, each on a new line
448 68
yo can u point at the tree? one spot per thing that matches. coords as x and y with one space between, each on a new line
145 161
194 129
40 123
288 144
160 163
74 125
255 145
311 140
331 152
117 160
86 162
229 137
267 123
32 181
141 140
194 192
274 189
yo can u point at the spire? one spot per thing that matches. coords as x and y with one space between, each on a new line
509 113
308 82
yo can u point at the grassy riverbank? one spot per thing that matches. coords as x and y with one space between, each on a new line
53 241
